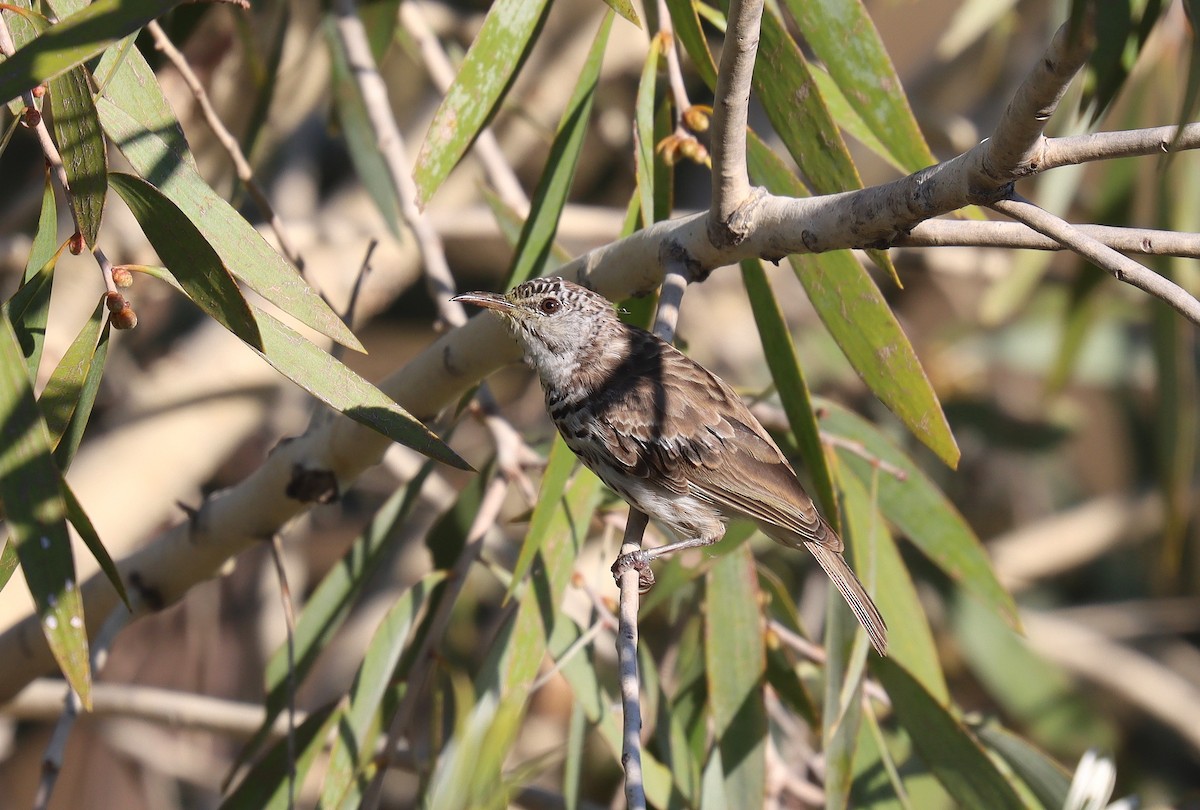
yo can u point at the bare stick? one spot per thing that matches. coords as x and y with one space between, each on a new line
242 166
1075 149
1104 257
627 641
730 180
996 234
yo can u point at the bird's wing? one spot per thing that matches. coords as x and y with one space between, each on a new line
677 424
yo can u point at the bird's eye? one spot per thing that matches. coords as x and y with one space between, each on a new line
550 305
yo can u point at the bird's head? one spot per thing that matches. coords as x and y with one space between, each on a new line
557 322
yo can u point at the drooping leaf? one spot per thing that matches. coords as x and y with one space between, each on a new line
545 209
919 509
75 40
643 131
189 257
483 80
559 465
358 724
1046 779
843 36
87 533
361 140
68 444
736 658
81 145
275 780
64 389
240 247
944 744
788 376
338 386
625 9
30 322
37 518
859 319
687 28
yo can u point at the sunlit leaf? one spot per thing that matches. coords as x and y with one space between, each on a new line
187 254
483 79
537 236
64 389
81 145
737 665
37 518
75 40
859 319
274 782
687 28
944 744
920 510
30 321
87 533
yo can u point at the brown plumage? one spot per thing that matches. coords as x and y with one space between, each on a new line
666 434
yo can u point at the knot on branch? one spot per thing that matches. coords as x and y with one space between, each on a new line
740 224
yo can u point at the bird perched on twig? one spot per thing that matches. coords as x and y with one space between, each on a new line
664 433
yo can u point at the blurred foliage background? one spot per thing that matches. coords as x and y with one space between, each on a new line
1072 398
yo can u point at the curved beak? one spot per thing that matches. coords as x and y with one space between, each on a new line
486 300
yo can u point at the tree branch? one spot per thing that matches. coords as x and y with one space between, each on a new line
731 102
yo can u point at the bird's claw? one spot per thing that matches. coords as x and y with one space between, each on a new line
639 561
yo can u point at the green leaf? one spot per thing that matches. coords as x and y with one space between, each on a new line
358 725
189 257
81 144
842 35
37 518
537 237
64 452
920 510
361 140
546 512
76 40
266 786
910 639
689 33
338 386
240 247
849 120
736 658
626 10
643 131
329 605
64 388
8 561
91 539
487 72
944 744
780 352
1046 779
30 322
859 319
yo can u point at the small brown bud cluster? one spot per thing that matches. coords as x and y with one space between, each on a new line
76 244
122 277
682 145
31 117
121 314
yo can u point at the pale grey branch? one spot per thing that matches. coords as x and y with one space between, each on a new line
730 180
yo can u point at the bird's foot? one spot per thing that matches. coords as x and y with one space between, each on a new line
638 561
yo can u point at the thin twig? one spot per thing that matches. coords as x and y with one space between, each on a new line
859 449
730 178
816 653
1073 150
627 641
998 234
1104 257
241 166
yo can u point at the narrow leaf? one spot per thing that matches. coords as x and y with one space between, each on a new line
944 744
275 781
687 28
64 388
843 36
1046 779
780 352
643 131
736 658
920 510
859 319
81 144
30 323
75 40
189 257
537 237
68 444
37 518
340 387
361 140
91 539
559 465
486 73
358 725
626 10
8 561
240 247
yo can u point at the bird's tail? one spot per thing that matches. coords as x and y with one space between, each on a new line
853 592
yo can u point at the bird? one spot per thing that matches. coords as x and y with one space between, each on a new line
663 432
